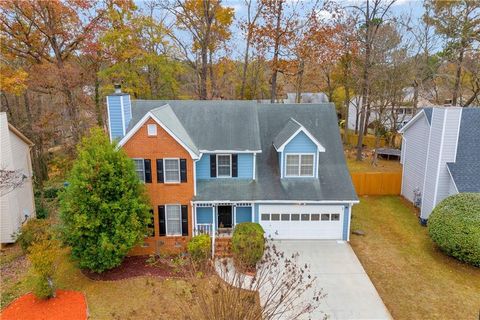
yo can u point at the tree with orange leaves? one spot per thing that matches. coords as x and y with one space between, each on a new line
49 33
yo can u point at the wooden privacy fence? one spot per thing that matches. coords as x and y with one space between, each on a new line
377 183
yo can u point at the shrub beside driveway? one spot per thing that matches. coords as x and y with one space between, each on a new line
414 278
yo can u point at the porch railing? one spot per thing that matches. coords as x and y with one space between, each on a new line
205 228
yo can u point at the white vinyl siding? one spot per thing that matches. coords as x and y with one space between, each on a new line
174 221
140 169
299 165
224 165
442 148
172 170
414 150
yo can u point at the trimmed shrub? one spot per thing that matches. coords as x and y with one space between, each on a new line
104 209
34 230
454 226
51 193
248 243
200 247
43 257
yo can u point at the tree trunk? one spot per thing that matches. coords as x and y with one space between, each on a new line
98 107
245 66
299 84
456 88
203 73
276 53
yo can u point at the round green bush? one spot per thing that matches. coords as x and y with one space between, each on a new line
248 243
454 226
199 247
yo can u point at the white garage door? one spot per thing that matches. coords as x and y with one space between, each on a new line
302 221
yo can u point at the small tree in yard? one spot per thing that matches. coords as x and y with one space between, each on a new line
43 256
280 289
104 209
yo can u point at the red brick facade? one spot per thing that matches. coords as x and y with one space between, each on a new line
161 146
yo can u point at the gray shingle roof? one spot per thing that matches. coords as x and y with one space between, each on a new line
213 124
247 125
466 169
333 183
428 114
287 131
166 115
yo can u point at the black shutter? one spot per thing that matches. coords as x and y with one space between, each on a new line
183 170
184 220
159 170
148 170
213 165
151 225
234 165
161 220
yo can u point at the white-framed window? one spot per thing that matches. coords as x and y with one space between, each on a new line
140 168
173 213
299 165
171 166
152 130
224 165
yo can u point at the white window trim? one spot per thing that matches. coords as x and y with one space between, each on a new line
143 164
165 171
230 156
300 165
154 126
166 220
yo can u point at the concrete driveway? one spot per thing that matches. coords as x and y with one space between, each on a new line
350 293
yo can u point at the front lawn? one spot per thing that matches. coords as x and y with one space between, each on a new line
414 279
144 297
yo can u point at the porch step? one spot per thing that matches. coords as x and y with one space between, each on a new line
223 247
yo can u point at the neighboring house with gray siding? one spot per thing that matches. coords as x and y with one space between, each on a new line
16 203
440 155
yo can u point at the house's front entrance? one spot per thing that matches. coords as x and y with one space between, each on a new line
225 219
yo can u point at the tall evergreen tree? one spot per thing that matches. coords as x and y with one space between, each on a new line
104 210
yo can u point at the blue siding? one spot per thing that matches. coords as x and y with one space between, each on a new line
204 215
127 110
245 166
301 144
203 167
345 223
115 120
244 214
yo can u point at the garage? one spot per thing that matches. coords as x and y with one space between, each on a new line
302 221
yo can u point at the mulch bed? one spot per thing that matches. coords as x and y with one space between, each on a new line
67 305
138 266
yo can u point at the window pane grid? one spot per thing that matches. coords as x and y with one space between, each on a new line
174 223
298 165
223 165
140 169
172 170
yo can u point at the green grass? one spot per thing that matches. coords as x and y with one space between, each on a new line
366 166
414 278
135 298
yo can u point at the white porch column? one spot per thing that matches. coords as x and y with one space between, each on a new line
234 215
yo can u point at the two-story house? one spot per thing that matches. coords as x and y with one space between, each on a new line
209 165
440 156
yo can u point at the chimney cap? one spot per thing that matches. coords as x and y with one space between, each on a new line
117 87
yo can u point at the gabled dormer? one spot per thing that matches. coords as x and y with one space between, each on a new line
297 151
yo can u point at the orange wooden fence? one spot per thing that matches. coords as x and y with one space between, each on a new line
377 183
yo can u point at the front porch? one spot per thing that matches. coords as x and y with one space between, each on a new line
219 219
